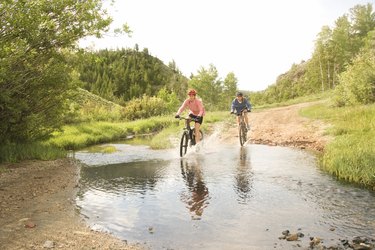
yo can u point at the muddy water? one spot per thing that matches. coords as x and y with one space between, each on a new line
224 197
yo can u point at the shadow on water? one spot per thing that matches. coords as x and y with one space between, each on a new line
223 197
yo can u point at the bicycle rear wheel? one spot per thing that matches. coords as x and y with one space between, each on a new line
242 134
184 144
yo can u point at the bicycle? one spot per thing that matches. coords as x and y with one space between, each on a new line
188 136
242 130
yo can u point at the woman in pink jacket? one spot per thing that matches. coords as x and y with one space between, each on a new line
196 111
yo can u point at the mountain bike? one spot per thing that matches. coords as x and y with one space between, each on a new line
188 136
242 130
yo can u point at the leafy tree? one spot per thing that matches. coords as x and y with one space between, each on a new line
357 84
208 85
229 89
35 36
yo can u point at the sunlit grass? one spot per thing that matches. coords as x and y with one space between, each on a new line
106 149
309 98
81 135
165 138
77 136
351 155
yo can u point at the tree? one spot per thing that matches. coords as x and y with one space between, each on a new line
208 85
229 88
35 37
357 83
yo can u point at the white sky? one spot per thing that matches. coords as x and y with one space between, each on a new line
257 40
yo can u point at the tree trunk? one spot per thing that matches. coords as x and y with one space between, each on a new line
321 72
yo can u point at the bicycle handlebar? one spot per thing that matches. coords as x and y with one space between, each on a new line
242 111
188 118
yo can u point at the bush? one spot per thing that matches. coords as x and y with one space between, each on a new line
357 84
144 107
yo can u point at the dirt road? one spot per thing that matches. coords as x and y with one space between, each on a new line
37 208
284 127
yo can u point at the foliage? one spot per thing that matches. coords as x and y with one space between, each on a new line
215 93
144 107
34 71
85 107
124 74
170 99
351 155
358 81
337 51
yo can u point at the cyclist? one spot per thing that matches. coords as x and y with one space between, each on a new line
238 104
196 111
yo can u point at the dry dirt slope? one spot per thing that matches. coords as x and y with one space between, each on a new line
285 127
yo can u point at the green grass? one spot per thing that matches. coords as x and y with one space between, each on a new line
351 154
309 98
38 151
77 136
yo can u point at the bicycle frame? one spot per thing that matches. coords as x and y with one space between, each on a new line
188 135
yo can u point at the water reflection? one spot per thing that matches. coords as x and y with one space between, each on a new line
243 176
136 177
196 196
227 198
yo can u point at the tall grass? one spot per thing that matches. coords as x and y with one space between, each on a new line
85 134
351 155
18 152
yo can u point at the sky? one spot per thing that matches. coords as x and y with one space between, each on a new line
256 40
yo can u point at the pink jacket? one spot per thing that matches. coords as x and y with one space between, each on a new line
195 107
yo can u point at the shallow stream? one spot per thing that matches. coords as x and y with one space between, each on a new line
223 197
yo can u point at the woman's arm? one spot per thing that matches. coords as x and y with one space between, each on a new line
182 108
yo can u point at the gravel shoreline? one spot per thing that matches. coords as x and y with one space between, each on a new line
38 211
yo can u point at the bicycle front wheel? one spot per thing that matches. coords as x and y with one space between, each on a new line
184 144
242 134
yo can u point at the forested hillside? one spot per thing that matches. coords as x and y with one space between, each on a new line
343 59
124 74
128 76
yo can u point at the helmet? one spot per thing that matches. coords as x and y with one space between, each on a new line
192 92
239 94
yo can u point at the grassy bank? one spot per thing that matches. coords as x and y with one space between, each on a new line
77 136
29 151
351 155
308 98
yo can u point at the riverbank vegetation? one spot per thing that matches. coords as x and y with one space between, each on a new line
341 71
351 155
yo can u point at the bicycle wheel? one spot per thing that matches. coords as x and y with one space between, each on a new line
184 144
242 134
